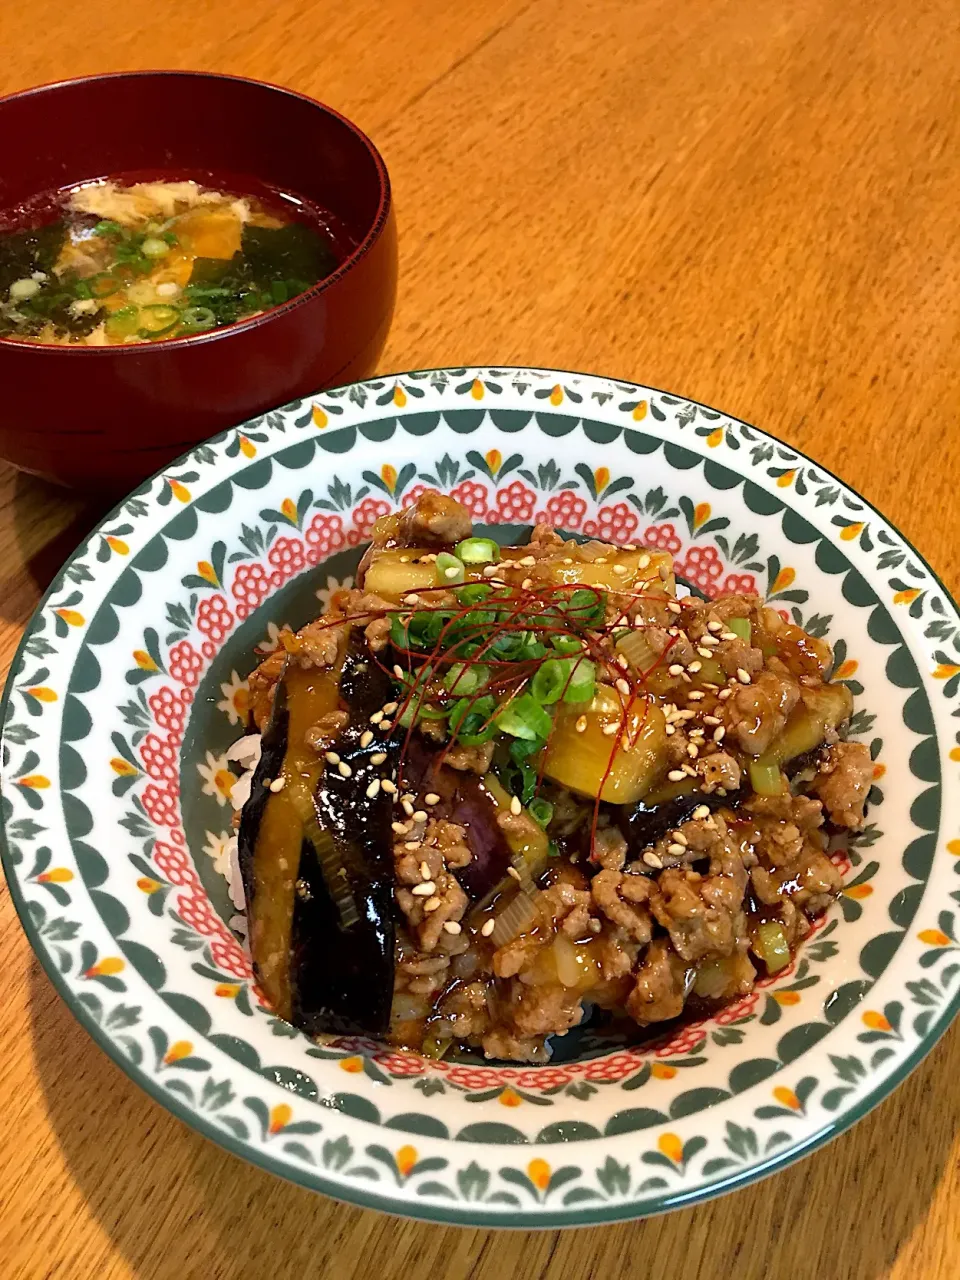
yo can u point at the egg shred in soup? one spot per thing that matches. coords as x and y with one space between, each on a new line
110 263
502 790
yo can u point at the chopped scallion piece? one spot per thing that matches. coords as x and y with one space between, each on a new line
464 678
541 811
740 627
580 682
450 569
154 247
477 551
772 946
525 718
765 777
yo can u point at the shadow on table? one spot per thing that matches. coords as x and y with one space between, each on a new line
176 1207
45 523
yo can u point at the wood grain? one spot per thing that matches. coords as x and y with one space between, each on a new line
750 202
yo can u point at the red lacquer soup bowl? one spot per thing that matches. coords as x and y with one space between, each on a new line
103 418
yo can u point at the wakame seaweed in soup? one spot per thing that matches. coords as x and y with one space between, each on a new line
108 263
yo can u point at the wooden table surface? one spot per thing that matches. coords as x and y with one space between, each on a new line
750 202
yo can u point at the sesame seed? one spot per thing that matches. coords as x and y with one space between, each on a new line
710 642
431 798
378 757
676 775
412 598
692 750
724 694
452 572
694 666
407 806
373 788
675 669
512 871
332 757
376 717
743 676
567 560
643 561
527 561
389 707
451 926
366 737
609 730
671 730
526 584
710 720
689 770
424 871
404 559
651 859
620 570
344 770
488 927
400 828
581 724
695 695
729 635
718 734
419 815
431 904
704 653
623 621
515 805
278 784
676 849
714 625
389 787
679 838
700 812
414 844
664 572
622 686
425 890
489 570
622 662
600 560
673 606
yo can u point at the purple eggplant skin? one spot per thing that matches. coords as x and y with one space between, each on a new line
341 953
344 973
643 826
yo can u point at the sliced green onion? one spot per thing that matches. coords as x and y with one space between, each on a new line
477 551
740 627
471 722
170 237
585 606
474 593
108 228
20 290
278 292
547 685
198 319
123 322
154 247
580 679
102 285
772 946
525 718
464 678
765 777
541 811
450 569
567 644
158 318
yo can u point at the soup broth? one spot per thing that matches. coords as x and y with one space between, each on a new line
115 262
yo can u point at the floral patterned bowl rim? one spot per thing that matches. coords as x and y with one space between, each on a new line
113 784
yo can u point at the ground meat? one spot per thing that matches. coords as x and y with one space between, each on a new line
545 542
610 849
324 732
703 914
757 712
502 1043
512 957
470 759
616 953
518 827
623 900
423 975
318 644
660 987
843 783
440 847
261 685
466 1012
433 520
719 770
566 908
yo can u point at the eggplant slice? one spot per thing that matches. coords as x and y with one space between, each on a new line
316 856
